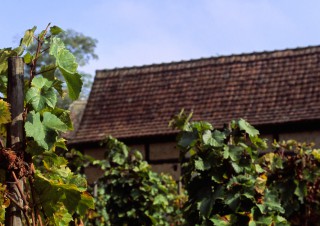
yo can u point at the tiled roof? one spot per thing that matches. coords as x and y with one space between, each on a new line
264 88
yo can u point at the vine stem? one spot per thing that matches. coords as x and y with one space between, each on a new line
51 69
40 221
26 206
30 202
34 61
45 50
35 209
19 206
19 188
14 201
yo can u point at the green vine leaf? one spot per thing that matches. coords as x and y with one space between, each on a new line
58 86
244 125
4 55
206 206
66 61
44 132
67 64
3 85
199 165
62 217
53 122
27 58
18 51
301 190
35 129
74 84
217 220
48 71
56 44
55 30
64 116
60 143
86 202
27 40
41 94
271 202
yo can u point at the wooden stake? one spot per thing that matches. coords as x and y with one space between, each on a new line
15 133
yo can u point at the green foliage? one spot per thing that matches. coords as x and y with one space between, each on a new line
56 194
58 188
82 48
230 183
4 203
5 115
129 193
225 184
293 173
41 94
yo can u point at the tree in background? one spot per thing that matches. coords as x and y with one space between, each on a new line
83 48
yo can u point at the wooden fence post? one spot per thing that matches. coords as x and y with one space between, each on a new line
15 133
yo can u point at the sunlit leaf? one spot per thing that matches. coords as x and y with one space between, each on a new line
53 122
5 115
35 129
27 40
27 58
44 131
74 84
244 125
260 184
66 61
41 94
56 45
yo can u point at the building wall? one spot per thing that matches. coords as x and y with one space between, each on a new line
157 155
162 151
164 158
93 173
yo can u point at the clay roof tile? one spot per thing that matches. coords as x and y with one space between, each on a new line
265 88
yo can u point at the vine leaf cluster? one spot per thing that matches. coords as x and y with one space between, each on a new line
231 181
52 194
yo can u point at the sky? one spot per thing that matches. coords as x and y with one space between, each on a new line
142 32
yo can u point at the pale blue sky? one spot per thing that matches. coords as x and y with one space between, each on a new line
138 32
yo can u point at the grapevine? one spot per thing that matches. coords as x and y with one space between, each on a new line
51 193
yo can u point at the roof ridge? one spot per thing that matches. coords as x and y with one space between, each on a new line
219 60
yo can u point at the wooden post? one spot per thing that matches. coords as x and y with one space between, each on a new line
15 132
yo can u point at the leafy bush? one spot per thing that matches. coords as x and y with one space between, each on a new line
225 184
230 182
293 173
130 193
